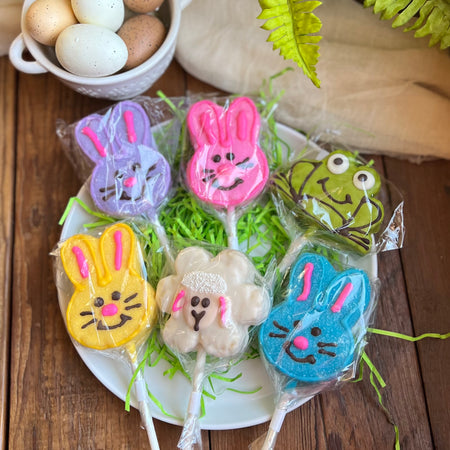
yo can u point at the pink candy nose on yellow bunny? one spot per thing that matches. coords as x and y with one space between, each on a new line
110 310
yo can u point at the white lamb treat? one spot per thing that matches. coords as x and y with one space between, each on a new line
212 302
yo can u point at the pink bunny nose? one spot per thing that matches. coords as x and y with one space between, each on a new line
130 182
226 169
301 342
110 310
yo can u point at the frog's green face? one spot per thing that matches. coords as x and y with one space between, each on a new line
338 192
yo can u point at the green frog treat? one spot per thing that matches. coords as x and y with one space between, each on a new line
338 192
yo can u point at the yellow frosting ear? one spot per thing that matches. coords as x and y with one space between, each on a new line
78 256
118 247
116 307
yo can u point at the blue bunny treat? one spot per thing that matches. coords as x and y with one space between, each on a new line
309 337
131 177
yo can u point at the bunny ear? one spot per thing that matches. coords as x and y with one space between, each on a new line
348 296
118 249
79 261
203 122
130 126
308 279
92 136
243 120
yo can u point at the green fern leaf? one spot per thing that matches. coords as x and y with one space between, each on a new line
433 20
292 24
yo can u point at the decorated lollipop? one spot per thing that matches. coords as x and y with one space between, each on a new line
338 193
113 308
212 301
131 177
228 168
314 335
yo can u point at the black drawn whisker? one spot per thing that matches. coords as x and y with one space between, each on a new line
280 327
243 161
128 299
136 305
209 177
326 352
89 323
326 344
108 188
276 335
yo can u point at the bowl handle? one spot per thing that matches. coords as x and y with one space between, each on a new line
184 3
15 55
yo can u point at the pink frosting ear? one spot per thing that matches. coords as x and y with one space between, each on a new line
203 123
243 120
91 135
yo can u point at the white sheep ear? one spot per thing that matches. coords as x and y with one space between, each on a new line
192 259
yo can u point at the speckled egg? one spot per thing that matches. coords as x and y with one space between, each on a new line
104 13
143 35
90 51
143 6
45 19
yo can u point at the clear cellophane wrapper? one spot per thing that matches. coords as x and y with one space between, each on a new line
315 334
211 304
340 198
128 152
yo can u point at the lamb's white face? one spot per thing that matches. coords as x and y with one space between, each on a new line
200 309
211 301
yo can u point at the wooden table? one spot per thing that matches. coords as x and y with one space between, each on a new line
50 399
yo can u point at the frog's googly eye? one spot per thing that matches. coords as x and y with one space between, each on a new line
363 180
338 164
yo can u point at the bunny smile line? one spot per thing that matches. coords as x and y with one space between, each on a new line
307 359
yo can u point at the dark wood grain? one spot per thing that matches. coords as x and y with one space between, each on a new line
426 262
7 175
50 399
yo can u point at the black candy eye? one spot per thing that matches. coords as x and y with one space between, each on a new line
115 295
136 166
216 158
195 301
316 331
205 302
230 156
98 302
118 174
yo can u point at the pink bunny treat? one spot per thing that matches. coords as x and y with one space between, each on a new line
211 301
228 168
130 177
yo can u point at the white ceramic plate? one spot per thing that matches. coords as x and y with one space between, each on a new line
226 411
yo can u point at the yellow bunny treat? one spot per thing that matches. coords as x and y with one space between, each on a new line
112 304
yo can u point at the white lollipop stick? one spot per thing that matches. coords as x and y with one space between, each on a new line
143 405
162 237
191 428
230 228
294 249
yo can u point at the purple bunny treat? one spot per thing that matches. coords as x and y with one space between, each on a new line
130 177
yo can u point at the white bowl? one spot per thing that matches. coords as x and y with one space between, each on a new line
114 87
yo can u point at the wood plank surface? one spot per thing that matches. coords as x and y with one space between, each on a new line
7 176
51 400
426 263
